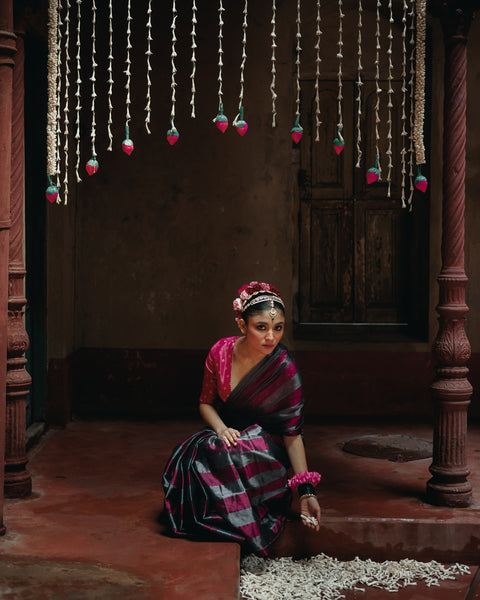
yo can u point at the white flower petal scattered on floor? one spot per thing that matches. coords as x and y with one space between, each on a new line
325 577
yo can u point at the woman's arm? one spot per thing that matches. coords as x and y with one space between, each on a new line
211 417
309 506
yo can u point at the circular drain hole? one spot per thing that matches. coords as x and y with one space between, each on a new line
395 447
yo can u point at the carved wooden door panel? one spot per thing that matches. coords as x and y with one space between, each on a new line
353 258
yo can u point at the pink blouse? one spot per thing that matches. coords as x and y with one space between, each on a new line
217 374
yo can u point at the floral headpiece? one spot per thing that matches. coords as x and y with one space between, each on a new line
254 292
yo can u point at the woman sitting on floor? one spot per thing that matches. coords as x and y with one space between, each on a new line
229 480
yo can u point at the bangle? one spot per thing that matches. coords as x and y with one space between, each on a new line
307 496
305 488
305 477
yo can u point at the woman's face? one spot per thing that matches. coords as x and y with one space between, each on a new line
262 333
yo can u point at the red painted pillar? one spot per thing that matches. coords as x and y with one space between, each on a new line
18 482
7 51
451 389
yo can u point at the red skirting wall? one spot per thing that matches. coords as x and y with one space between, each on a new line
166 384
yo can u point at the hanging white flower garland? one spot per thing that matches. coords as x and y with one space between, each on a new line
373 174
92 164
297 130
338 142
421 14
220 120
127 144
110 75
78 94
273 36
172 133
359 87
148 54
411 149
239 122
58 82
403 134
193 59
66 108
389 101
318 60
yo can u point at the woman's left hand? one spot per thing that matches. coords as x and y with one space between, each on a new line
309 508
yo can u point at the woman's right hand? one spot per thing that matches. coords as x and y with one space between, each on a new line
229 436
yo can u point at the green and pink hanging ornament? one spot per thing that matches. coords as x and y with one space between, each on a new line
51 192
339 142
240 123
92 165
373 173
172 134
296 132
127 144
421 182
221 121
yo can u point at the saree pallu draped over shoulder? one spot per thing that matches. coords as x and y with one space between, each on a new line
240 493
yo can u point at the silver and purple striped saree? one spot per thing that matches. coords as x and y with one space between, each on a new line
240 493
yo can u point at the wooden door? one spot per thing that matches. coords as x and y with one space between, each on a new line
355 241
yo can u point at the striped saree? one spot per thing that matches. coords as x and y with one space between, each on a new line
240 493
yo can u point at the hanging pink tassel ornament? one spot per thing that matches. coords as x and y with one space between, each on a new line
421 182
221 121
339 143
92 166
296 132
51 192
240 124
373 174
127 144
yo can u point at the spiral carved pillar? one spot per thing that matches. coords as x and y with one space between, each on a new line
7 51
18 482
451 390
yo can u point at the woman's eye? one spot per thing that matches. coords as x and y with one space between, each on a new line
261 327
279 328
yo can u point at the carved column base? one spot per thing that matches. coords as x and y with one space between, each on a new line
448 485
17 482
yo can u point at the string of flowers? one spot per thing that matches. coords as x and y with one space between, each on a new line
172 133
359 86
404 101
52 87
92 164
220 120
338 142
297 131
421 182
411 149
318 60
273 35
148 53
58 127
421 7
110 75
66 109
51 193
239 122
127 144
389 104
193 59
78 95
377 88
148 108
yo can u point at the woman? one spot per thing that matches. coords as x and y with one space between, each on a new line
229 480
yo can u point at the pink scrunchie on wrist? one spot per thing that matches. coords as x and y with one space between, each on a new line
306 477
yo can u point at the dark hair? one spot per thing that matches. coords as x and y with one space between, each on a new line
255 309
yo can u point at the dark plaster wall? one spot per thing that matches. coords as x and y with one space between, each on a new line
151 250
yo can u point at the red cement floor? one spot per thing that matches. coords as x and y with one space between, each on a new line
91 528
